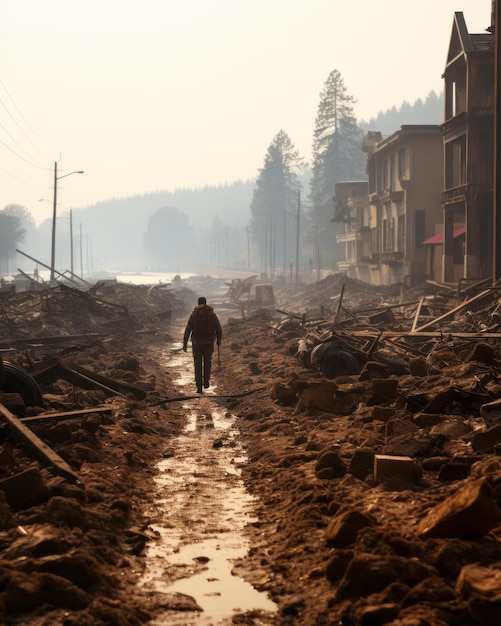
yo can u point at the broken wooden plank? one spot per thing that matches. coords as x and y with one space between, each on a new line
340 303
425 335
46 266
84 378
40 450
40 341
452 312
65 414
416 316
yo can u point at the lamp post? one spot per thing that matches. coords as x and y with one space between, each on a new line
53 248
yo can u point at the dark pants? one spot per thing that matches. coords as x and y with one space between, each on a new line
202 357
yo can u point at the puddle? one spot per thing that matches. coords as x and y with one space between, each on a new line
199 517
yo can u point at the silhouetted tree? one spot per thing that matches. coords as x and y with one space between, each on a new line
274 201
11 234
337 156
169 240
429 111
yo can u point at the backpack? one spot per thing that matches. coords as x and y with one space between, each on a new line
203 323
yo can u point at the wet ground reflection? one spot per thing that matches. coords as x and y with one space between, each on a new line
200 515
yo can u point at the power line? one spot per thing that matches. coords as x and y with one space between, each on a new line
42 143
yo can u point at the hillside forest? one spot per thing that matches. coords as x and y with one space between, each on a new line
244 225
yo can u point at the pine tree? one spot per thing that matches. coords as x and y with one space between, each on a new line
273 206
337 156
11 233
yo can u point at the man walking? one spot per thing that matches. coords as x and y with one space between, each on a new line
204 327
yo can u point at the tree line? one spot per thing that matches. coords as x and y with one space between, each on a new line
274 223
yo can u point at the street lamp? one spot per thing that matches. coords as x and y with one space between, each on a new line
53 249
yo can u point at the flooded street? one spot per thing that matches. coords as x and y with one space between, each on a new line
199 518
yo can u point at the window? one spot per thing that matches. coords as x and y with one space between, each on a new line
391 235
401 163
401 233
455 155
419 217
384 175
392 172
385 236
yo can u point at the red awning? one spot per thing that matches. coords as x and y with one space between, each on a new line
439 237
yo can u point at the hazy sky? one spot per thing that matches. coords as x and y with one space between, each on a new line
148 95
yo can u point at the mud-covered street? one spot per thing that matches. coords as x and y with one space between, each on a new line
284 494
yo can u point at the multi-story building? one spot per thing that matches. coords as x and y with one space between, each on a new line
468 139
350 209
385 234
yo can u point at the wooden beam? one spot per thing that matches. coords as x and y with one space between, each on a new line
66 414
454 311
40 450
416 316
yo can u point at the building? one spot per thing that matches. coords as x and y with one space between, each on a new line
468 139
350 209
402 209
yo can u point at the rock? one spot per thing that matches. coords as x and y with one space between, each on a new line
374 370
430 590
399 471
25 489
491 411
343 529
470 512
371 573
6 516
330 465
418 366
77 566
450 472
62 593
482 352
336 567
14 402
383 391
485 441
481 586
373 615
440 400
480 580
362 463
40 540
317 395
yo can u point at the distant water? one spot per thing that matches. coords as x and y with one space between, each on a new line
150 278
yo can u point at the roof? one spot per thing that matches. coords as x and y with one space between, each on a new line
439 237
482 42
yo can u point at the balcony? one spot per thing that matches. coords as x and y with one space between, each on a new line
455 195
465 193
387 258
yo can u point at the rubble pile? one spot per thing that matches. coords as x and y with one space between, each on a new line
107 307
378 472
76 457
371 419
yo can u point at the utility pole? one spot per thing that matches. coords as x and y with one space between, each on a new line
71 241
496 200
54 211
53 243
297 235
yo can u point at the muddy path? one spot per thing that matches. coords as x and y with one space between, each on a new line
198 515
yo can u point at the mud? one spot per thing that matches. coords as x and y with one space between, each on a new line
165 481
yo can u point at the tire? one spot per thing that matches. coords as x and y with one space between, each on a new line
17 380
332 362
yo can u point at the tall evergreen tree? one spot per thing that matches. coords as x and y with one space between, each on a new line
169 240
273 204
337 156
11 234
